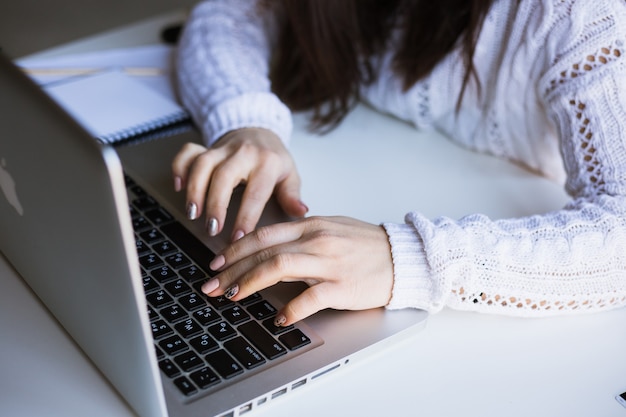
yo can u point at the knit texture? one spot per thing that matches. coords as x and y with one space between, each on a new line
552 97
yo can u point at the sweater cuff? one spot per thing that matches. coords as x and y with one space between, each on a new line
412 284
260 110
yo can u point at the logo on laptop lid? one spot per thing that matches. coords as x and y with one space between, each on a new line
7 184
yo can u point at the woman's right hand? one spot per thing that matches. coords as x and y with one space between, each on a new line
254 156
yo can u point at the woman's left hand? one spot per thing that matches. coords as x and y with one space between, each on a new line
346 263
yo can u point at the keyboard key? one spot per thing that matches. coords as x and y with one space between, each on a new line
149 284
206 316
244 352
173 313
192 273
159 299
164 247
142 247
163 274
222 331
193 301
188 328
177 260
160 329
220 302
262 310
262 340
169 368
294 339
224 364
173 345
159 216
178 288
144 202
188 361
235 315
151 236
250 299
203 344
140 223
205 377
185 386
150 261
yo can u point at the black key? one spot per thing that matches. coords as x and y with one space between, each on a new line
206 316
262 310
159 299
203 344
262 340
152 315
244 352
136 189
150 261
222 331
188 361
160 329
168 368
178 288
235 315
193 301
142 247
149 284
294 339
250 299
159 216
192 273
205 377
151 236
177 260
173 313
185 386
188 328
220 302
164 247
140 223
173 345
224 364
163 274
189 244
159 353
144 202
275 330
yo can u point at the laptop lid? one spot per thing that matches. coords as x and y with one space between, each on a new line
66 229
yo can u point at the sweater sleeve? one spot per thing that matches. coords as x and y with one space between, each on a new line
223 66
567 261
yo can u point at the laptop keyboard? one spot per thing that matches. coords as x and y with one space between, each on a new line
200 341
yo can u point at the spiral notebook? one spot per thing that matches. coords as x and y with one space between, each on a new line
114 107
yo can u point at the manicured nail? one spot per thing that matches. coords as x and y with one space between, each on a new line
192 211
178 183
238 235
211 226
231 291
217 262
304 206
210 286
280 320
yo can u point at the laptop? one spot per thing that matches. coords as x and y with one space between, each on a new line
101 237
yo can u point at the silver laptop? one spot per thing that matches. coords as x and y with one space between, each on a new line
101 237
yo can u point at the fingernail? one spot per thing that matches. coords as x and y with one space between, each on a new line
280 320
305 207
238 235
192 211
211 226
217 262
231 291
178 183
210 286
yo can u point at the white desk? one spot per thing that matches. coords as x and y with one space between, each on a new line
460 364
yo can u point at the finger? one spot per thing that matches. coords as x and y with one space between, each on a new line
288 195
183 161
257 193
309 302
199 177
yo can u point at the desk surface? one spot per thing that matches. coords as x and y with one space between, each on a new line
460 364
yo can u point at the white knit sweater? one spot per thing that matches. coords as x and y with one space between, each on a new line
553 97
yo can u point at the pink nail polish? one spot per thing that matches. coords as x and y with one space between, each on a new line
238 235
210 286
178 183
217 262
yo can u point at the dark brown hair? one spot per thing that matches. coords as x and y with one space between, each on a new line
325 45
